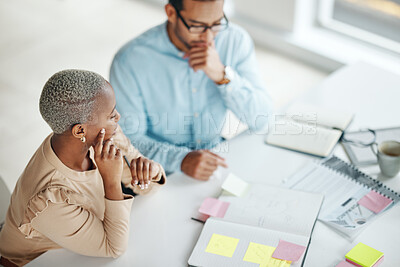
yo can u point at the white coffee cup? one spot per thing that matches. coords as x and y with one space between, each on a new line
388 154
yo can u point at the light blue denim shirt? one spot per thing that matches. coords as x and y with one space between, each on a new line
168 110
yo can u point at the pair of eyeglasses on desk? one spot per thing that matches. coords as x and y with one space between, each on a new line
359 143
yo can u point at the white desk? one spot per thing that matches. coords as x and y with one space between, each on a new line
162 233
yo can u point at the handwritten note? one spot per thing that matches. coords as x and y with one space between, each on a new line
214 207
288 251
374 201
262 254
235 185
257 253
222 245
271 262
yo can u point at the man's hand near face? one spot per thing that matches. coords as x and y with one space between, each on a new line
201 164
205 57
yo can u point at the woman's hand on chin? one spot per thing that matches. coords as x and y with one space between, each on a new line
109 161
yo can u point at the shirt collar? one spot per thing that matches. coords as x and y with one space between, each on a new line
170 46
53 159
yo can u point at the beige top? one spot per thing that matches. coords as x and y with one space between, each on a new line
53 206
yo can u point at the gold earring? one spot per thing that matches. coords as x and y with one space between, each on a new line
83 139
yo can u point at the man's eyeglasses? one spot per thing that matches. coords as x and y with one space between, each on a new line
200 29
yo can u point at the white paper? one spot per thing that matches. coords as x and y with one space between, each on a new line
275 208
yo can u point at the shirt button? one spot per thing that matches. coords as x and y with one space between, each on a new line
196 114
198 141
194 90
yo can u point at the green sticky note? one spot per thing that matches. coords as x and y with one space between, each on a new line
364 255
262 254
222 245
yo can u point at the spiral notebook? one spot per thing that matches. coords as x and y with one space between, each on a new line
352 198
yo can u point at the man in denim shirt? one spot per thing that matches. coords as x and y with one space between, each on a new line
175 83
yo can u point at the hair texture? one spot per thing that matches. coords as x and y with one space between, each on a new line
68 98
178 4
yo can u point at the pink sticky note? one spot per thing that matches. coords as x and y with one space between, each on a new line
214 207
288 251
344 264
352 263
374 201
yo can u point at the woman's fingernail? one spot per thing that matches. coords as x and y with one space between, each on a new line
146 186
103 130
136 182
111 139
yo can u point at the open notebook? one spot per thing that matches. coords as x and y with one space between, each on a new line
260 218
309 129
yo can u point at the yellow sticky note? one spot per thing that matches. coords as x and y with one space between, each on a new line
257 253
271 262
222 245
364 255
262 254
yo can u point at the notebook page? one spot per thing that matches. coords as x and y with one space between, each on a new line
336 188
322 116
275 208
245 234
303 137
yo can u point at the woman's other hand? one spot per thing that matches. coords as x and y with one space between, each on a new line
143 171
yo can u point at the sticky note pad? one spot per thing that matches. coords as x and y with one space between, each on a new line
261 254
235 185
344 264
214 207
222 245
363 255
288 251
374 201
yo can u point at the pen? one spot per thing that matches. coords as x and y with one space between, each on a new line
197 220
127 162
